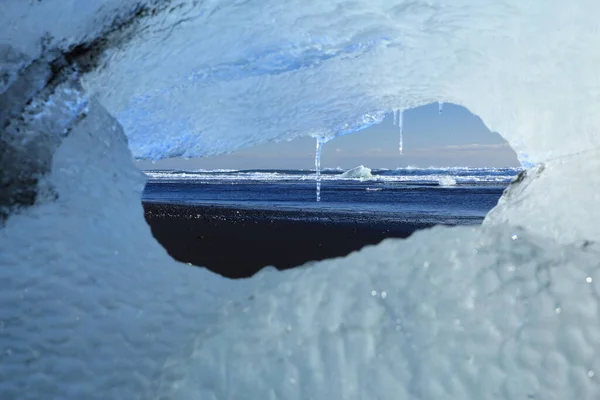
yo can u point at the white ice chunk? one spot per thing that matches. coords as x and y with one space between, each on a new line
447 180
361 172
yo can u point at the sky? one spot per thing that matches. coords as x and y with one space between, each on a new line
453 138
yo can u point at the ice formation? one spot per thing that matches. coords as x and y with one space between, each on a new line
541 199
91 307
399 122
361 172
447 181
320 142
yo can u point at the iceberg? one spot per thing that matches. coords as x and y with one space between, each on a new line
92 307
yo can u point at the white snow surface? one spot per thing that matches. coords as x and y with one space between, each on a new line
91 307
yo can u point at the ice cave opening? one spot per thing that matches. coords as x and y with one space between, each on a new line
92 307
261 199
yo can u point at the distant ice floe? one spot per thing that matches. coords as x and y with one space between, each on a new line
361 173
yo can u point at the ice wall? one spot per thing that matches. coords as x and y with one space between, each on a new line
271 70
33 29
558 199
464 313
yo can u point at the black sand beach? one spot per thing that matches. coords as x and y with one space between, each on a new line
237 243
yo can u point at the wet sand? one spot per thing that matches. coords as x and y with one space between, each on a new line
237 243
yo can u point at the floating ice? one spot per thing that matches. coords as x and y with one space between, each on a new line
361 172
447 181
537 196
400 175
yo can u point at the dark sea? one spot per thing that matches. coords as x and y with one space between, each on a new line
435 195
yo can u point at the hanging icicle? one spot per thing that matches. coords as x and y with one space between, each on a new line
400 128
440 106
320 143
399 122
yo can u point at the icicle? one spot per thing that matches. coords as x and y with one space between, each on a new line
399 122
440 106
320 143
400 128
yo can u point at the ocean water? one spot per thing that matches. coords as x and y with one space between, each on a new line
438 195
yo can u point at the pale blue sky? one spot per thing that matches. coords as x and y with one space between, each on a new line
454 138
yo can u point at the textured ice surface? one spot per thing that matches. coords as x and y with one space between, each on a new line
90 304
92 307
234 73
463 313
361 172
447 181
218 75
29 28
560 198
